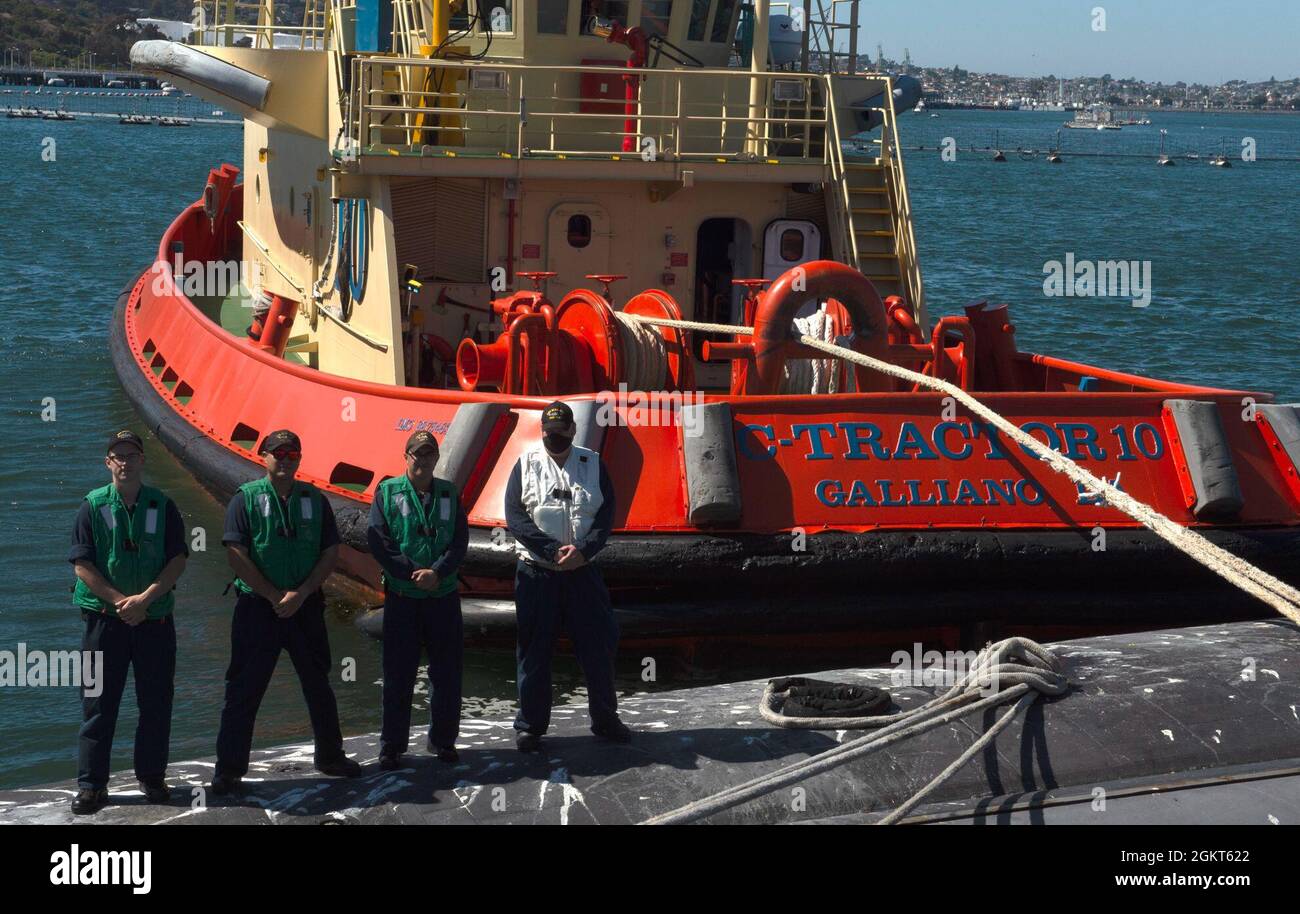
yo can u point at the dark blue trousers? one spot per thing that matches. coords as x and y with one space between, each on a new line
150 649
434 624
576 602
257 635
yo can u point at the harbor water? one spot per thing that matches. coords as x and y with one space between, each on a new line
84 202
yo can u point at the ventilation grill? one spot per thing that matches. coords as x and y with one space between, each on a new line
439 225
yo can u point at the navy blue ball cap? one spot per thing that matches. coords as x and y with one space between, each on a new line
126 436
278 439
419 440
557 417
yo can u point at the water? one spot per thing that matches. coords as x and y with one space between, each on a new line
1222 242
74 230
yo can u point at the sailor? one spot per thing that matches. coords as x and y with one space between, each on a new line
559 506
419 534
128 550
282 542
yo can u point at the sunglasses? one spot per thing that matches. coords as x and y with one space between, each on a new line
285 453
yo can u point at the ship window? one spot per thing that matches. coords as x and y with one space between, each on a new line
579 231
552 17
699 20
612 9
792 245
496 15
655 15
722 20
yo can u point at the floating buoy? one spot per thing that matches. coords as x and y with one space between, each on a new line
998 156
1055 158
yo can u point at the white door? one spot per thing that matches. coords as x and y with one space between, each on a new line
788 243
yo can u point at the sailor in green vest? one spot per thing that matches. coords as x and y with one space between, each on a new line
419 535
282 542
128 550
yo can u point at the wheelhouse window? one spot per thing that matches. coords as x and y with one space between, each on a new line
722 20
605 9
552 17
655 15
699 20
579 231
792 245
493 15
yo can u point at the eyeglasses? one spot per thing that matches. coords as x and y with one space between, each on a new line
423 456
124 459
285 453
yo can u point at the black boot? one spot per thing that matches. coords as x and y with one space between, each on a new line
89 801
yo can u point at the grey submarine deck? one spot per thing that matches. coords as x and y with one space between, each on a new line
1181 725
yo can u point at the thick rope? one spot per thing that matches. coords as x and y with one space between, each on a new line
1016 668
815 376
1276 593
646 354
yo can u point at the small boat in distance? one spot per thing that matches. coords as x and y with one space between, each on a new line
1096 117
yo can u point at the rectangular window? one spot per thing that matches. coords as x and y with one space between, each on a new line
699 20
722 20
496 15
655 15
610 9
552 17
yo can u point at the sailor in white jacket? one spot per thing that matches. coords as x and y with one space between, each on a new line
559 507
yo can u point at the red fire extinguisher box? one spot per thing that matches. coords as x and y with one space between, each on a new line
601 93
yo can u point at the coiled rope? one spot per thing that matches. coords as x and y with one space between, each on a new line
812 376
646 354
1268 589
1016 669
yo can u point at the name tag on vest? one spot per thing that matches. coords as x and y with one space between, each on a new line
109 520
306 507
444 507
264 503
403 506
151 521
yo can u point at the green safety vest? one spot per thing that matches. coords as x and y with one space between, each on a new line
129 548
285 550
405 514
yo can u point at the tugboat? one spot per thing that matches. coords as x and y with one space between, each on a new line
448 215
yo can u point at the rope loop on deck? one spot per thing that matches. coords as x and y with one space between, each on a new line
1015 669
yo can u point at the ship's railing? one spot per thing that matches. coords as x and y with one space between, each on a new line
421 105
229 23
900 203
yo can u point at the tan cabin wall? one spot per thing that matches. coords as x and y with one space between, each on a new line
289 211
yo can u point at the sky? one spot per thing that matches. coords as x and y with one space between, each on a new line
1204 41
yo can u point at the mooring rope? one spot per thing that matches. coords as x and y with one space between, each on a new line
1014 669
1276 593
646 354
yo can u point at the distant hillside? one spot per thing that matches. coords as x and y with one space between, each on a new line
57 32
